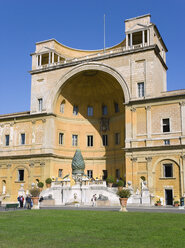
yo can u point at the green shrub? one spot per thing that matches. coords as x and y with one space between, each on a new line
124 193
35 192
48 180
120 183
110 179
176 202
40 184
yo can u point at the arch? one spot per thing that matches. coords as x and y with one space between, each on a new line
89 66
164 159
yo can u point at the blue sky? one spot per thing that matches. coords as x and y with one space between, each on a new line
78 24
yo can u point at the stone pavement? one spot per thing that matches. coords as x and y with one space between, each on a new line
153 209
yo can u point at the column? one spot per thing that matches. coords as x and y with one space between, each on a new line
40 60
127 41
58 59
131 40
148 37
143 38
49 58
149 174
148 121
52 57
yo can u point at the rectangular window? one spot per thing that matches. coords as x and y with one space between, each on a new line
75 110
90 173
60 172
118 173
20 175
22 138
40 101
105 140
117 138
90 111
167 142
141 92
61 137
116 107
89 140
166 125
74 140
104 110
168 170
7 140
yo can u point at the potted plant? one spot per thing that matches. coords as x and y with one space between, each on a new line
35 195
120 184
158 203
40 185
48 182
124 194
110 181
176 203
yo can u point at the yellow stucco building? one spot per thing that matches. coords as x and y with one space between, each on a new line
112 104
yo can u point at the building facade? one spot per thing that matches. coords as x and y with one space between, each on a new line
112 104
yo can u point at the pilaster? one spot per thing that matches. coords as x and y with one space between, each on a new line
148 121
149 174
182 175
9 181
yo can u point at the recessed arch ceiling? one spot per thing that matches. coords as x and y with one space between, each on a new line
92 85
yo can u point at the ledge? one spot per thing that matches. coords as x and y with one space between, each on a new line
167 178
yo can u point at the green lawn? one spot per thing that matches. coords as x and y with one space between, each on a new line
73 228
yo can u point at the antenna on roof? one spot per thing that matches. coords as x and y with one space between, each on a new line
104 32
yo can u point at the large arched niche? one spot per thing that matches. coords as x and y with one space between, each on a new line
85 67
91 86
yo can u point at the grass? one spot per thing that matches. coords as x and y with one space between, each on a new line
73 228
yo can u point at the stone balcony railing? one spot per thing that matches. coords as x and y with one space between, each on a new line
94 55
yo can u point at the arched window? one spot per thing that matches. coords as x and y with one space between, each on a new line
62 105
3 187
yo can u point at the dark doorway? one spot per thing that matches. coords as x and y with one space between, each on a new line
105 174
168 196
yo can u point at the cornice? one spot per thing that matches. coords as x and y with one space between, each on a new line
155 148
156 99
25 116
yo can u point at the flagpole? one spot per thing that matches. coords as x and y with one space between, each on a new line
104 32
